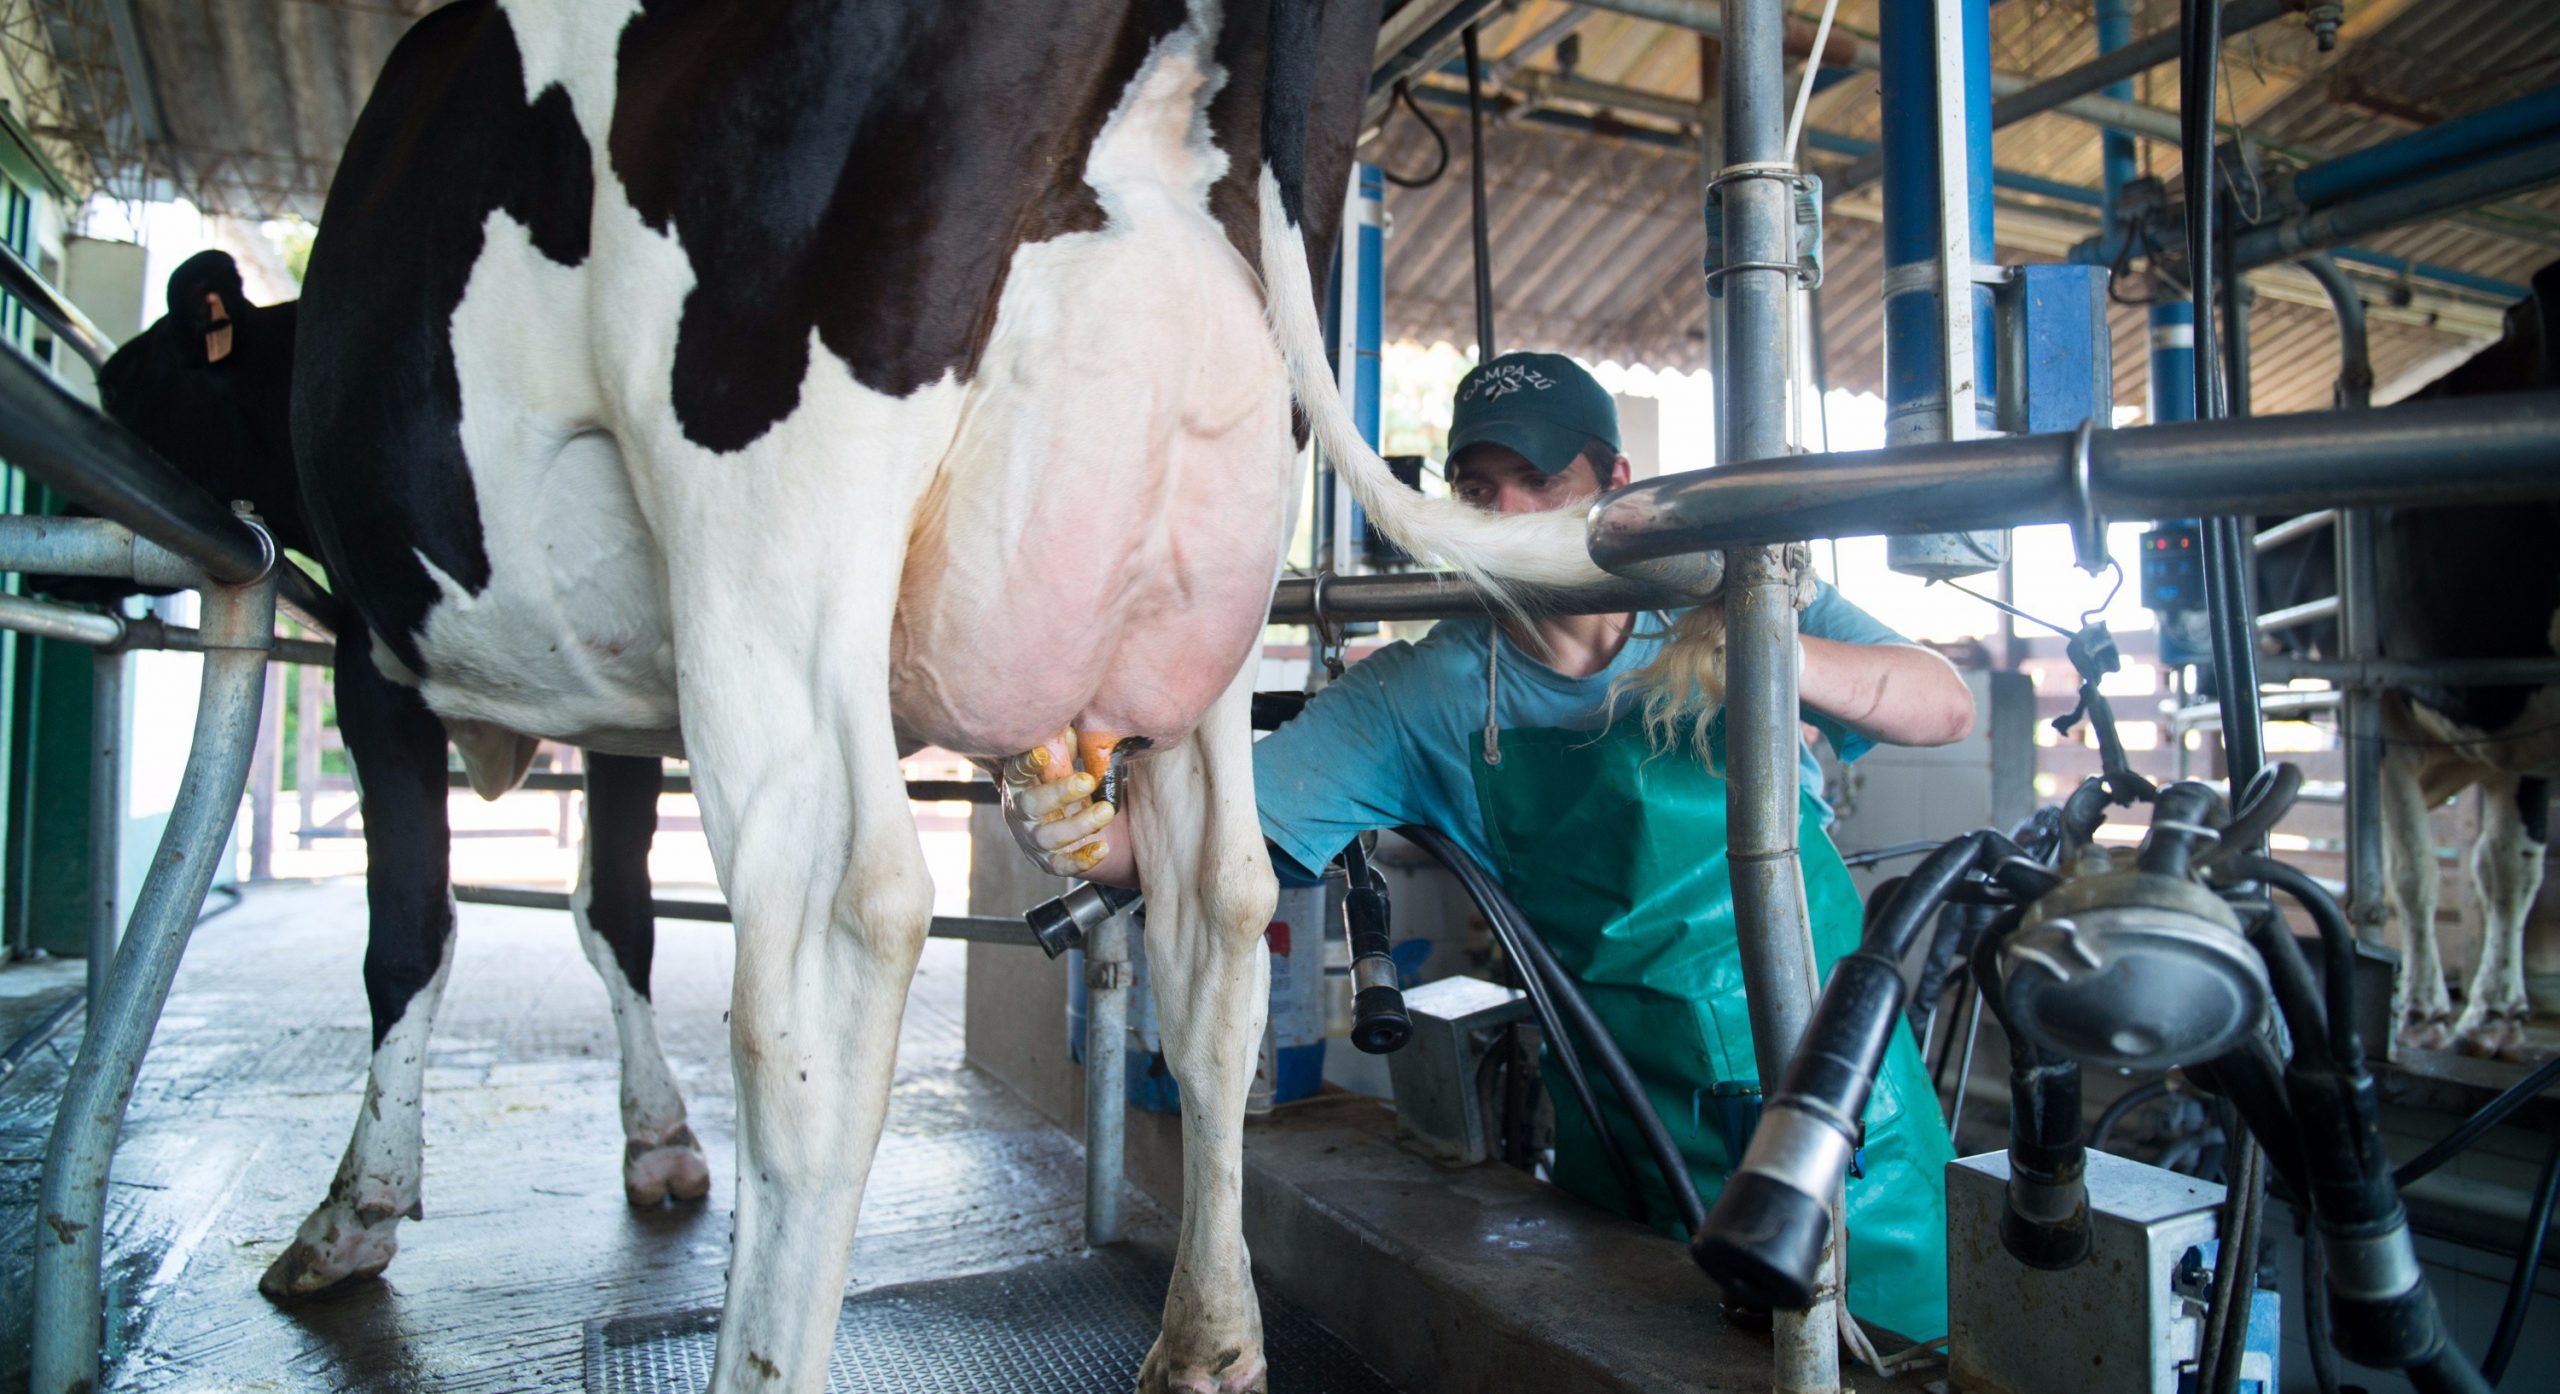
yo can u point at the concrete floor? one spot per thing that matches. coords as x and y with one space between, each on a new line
245 1102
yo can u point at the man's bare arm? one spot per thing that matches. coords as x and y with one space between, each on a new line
1899 694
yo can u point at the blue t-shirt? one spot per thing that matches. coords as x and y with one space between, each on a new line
1389 743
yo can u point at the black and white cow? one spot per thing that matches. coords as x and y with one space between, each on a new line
209 386
798 382
2462 583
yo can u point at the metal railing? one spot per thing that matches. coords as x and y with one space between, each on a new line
157 529
70 327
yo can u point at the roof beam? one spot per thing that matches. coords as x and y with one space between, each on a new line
124 22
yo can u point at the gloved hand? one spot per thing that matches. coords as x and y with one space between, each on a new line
1049 805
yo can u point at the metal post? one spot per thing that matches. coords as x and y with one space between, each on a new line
72 1207
306 753
1106 1077
106 818
1939 348
2360 723
266 779
2359 633
1775 941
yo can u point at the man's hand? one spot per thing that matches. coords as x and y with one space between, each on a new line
1049 805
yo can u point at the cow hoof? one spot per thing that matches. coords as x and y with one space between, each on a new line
1232 1372
342 1255
2426 1033
668 1168
2492 1038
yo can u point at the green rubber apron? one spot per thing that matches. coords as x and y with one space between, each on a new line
1618 858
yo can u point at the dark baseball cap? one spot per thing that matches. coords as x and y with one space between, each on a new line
1542 405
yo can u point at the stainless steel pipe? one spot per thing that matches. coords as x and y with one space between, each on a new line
72 328
2291 529
2477 450
1442 595
105 469
47 620
2296 616
90 547
976 929
1106 1078
1775 940
2385 673
106 819
72 1205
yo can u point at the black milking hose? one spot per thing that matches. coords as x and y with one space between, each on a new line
1535 956
2262 805
2125 1103
2315 1311
1551 1023
2537 1226
2490 1115
2337 944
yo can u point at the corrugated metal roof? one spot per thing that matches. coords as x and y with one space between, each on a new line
1597 240
254 98
259 95
1611 271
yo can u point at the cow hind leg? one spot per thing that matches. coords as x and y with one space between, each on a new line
2425 1007
660 1157
809 824
1209 898
2506 868
398 749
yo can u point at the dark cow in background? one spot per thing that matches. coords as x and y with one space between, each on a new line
2462 583
209 387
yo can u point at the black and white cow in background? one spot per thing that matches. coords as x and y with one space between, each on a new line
208 386
2462 583
797 383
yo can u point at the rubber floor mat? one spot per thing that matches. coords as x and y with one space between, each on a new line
1066 1326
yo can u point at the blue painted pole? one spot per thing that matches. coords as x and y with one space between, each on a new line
1354 315
1367 299
1915 382
1915 378
2173 324
1371 228
2433 150
2173 359
2098 200
2115 30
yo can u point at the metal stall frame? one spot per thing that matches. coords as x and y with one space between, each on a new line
1755 288
159 530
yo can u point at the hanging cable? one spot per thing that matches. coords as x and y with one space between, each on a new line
1812 66
2200 35
2228 554
1475 179
2125 1103
2537 1225
1404 94
2490 1115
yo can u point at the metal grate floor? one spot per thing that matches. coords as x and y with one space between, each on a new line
1067 1326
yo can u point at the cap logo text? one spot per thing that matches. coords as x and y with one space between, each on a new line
1503 379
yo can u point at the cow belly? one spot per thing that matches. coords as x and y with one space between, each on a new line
2532 750
570 638
1100 546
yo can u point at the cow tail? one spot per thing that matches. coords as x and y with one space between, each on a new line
1503 555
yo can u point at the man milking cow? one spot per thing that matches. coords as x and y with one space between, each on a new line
1525 741
209 387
